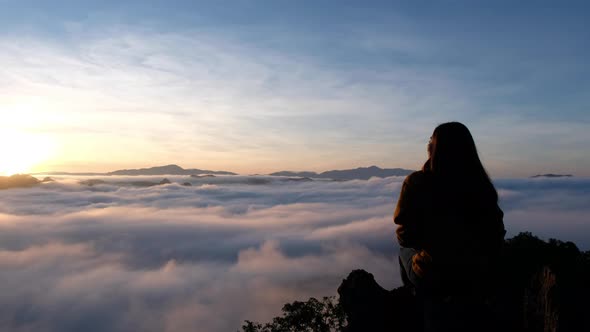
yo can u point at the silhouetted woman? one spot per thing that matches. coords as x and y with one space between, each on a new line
450 227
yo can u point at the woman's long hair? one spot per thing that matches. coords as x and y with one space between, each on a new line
455 164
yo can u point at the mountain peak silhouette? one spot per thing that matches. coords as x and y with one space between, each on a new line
171 169
359 173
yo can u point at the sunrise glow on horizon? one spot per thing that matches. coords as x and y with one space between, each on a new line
24 152
253 88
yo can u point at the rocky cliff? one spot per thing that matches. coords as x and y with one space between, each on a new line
542 286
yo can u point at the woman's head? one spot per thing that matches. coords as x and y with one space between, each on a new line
453 156
452 149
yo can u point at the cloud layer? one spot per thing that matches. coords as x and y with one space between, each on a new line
206 257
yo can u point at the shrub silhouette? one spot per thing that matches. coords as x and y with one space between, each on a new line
309 316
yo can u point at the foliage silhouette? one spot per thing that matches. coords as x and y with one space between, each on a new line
309 316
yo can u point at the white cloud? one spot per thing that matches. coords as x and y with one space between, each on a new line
172 258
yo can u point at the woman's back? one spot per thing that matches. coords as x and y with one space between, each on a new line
458 238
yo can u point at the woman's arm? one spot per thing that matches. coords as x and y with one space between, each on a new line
408 214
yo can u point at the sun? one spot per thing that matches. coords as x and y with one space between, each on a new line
20 151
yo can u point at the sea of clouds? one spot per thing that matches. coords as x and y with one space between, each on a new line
117 257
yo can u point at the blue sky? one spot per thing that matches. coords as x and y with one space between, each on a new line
260 86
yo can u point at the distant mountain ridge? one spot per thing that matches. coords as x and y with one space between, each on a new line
171 169
167 169
361 173
550 175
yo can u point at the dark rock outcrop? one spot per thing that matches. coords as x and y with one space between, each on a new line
542 286
369 307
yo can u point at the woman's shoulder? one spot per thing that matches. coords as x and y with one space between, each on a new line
418 178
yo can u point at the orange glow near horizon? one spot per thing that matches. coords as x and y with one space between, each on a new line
23 151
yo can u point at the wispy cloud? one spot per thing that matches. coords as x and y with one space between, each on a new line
254 88
207 97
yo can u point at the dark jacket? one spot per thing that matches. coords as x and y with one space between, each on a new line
457 232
